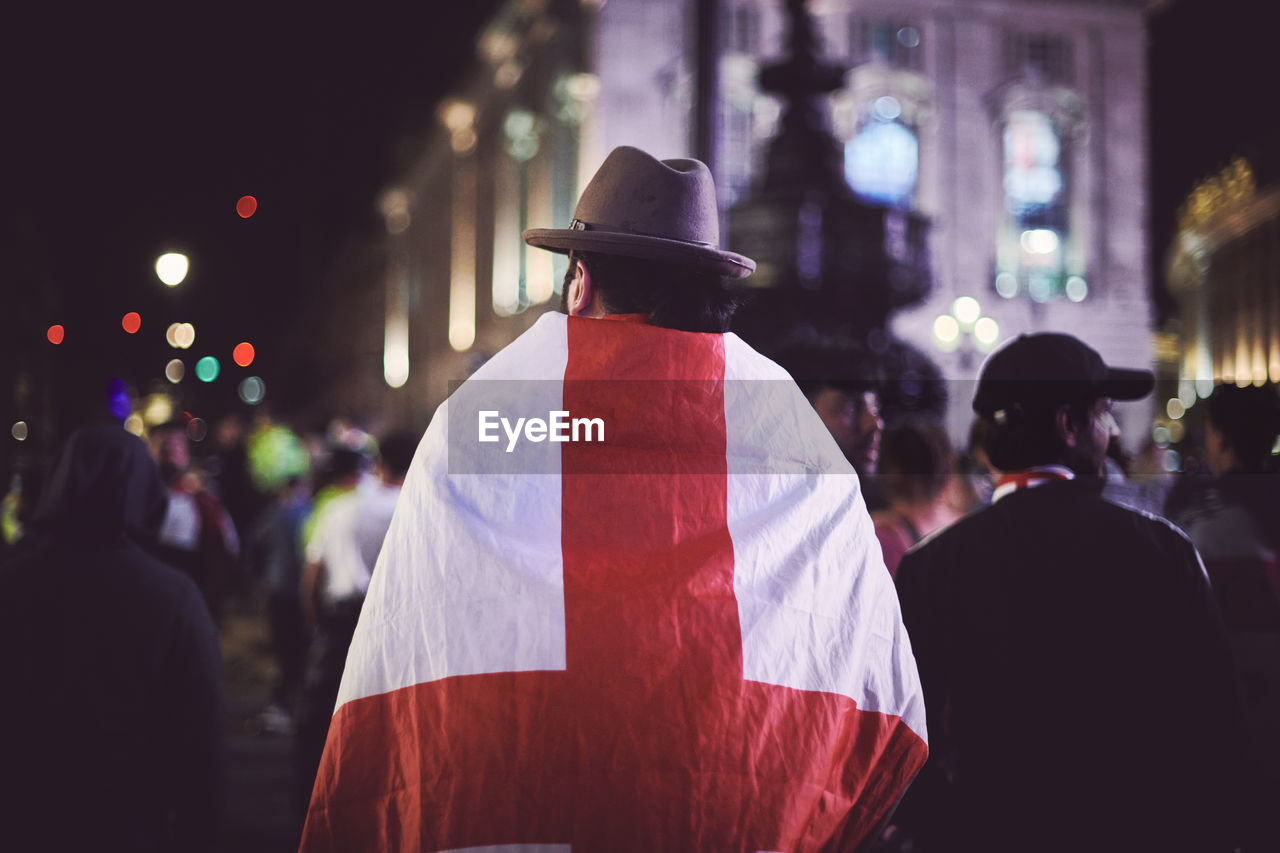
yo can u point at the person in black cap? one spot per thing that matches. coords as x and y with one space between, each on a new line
1078 684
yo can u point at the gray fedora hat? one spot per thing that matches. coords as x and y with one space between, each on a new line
641 207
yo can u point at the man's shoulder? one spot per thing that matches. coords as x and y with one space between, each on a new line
980 524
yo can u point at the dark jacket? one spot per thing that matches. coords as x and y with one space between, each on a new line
111 731
1077 681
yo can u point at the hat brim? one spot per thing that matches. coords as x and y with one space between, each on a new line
565 240
1127 384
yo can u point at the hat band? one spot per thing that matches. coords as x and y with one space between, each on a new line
579 225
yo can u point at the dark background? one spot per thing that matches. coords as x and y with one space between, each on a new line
131 132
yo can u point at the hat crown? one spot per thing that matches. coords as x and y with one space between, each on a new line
1050 368
635 193
638 206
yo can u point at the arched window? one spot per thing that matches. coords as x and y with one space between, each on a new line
1035 182
882 159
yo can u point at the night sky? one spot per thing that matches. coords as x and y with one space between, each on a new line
127 134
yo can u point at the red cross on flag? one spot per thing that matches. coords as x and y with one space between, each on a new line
672 631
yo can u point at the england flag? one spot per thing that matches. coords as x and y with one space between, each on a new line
631 600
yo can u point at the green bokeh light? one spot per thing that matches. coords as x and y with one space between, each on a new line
207 369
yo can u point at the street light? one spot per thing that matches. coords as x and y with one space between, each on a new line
965 330
171 268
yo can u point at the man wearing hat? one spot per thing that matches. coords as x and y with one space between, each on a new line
669 630
1077 680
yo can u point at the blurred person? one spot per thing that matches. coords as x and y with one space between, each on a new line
977 467
843 386
1133 480
1233 517
225 464
1077 678
918 473
340 473
341 553
197 534
274 548
113 719
563 645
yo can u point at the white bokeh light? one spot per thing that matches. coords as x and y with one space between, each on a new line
172 268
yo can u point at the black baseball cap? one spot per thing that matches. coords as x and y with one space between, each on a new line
1051 369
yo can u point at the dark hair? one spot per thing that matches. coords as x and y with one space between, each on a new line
396 451
1249 419
916 460
675 296
1024 436
343 462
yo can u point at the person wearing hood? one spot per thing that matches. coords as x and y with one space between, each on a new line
112 724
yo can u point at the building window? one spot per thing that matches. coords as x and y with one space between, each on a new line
892 43
882 159
1030 257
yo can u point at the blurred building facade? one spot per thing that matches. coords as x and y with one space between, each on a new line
1223 269
1018 128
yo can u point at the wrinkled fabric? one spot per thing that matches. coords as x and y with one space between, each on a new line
679 638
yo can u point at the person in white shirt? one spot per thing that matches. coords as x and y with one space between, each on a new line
341 554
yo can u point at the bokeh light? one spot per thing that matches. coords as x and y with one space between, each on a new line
1007 285
1077 288
135 425
175 370
243 354
246 206
197 429
119 402
946 330
207 369
967 310
19 431
276 454
172 268
180 335
987 332
158 409
252 390
1174 408
131 322
56 334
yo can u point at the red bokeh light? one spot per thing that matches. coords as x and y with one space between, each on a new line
55 334
246 206
243 354
132 322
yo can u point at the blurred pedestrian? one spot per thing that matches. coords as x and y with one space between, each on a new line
917 471
1135 480
197 534
340 556
1077 678
274 548
112 726
842 384
1233 517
